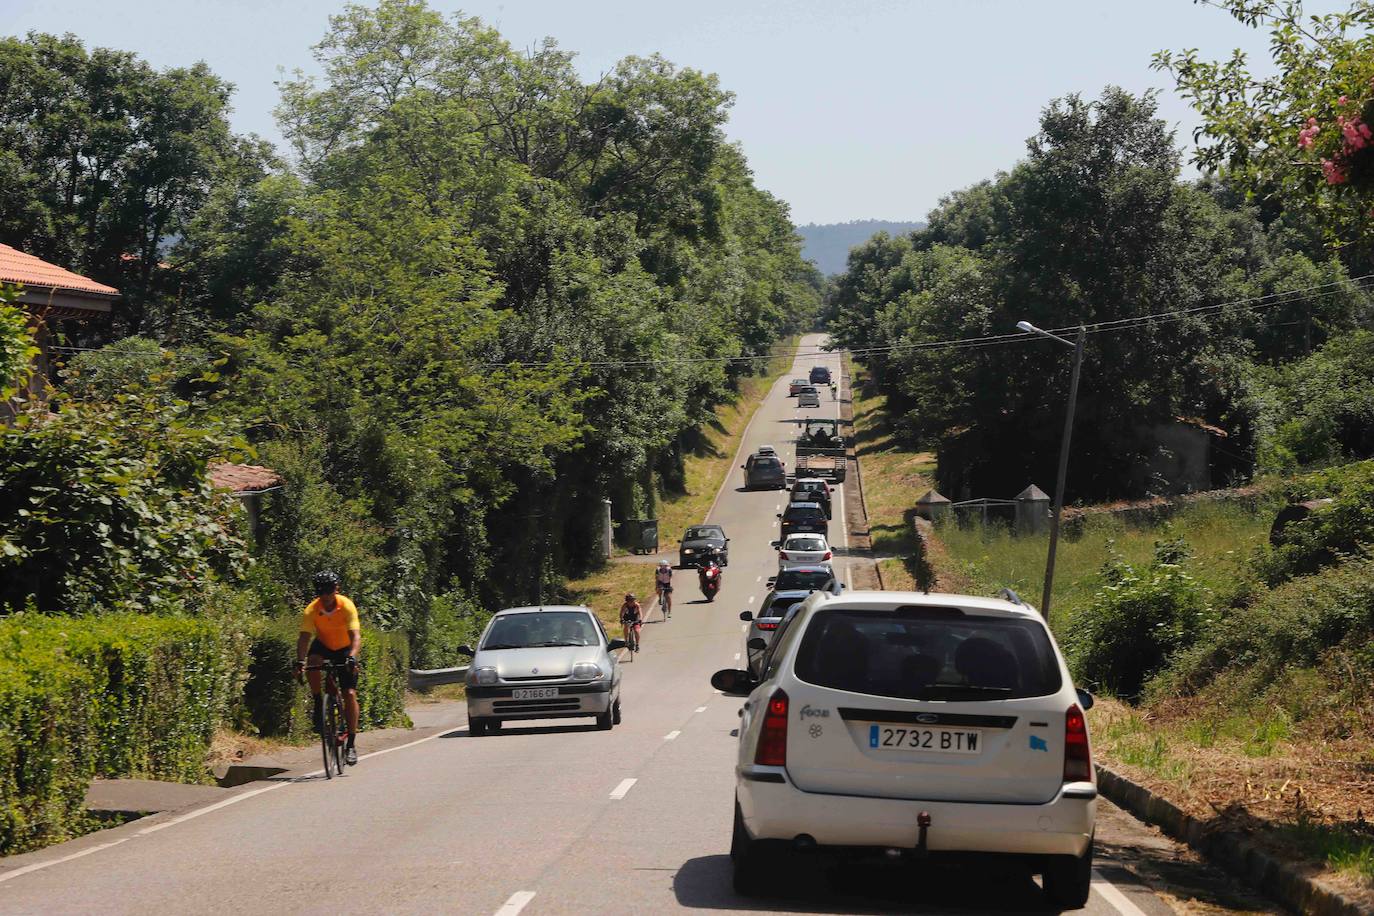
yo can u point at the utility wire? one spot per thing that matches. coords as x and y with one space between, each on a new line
1254 303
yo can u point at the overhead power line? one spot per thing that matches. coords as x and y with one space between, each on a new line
1117 325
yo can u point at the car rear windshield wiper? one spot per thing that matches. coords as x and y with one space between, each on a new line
948 691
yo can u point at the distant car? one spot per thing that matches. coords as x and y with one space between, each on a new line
765 623
803 550
901 720
803 518
700 542
808 397
551 662
816 489
764 472
797 384
820 375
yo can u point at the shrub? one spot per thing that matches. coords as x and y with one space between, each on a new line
112 696
277 705
1343 529
1137 621
452 621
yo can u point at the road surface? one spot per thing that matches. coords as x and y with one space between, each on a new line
540 818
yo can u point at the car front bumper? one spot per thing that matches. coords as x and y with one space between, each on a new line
572 700
778 810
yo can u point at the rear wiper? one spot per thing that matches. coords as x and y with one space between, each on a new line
927 691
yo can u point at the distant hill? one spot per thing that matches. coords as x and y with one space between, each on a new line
828 244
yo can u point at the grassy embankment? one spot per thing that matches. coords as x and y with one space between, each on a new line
1266 763
706 469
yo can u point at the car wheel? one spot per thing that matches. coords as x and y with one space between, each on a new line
615 712
1068 880
477 727
750 858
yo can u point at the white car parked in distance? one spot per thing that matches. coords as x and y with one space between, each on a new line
803 550
917 724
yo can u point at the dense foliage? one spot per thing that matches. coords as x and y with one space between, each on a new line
1093 228
17 348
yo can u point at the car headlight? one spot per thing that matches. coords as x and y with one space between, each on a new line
586 671
484 676
687 550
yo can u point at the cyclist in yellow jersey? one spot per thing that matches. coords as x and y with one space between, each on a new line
330 632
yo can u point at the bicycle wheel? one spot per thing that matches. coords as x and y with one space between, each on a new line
327 741
340 736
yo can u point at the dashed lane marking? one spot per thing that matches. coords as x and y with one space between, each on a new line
623 789
751 599
759 579
516 903
1112 894
736 656
672 734
701 709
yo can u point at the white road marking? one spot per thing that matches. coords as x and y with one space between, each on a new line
1112 894
516 903
672 734
216 806
701 709
623 789
759 579
743 627
76 855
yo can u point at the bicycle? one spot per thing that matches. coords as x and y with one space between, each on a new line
665 600
632 637
333 726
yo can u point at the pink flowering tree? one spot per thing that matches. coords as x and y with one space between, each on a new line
1303 137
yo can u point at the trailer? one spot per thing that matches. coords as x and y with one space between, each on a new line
827 464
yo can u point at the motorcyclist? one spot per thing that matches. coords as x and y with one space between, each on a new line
708 578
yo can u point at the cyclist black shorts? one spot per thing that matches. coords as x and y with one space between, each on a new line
665 588
346 677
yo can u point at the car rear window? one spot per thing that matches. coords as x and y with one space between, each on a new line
765 463
804 543
790 579
924 653
780 606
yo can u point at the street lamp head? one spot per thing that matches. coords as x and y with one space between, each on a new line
1027 327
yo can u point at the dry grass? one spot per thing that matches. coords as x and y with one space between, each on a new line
229 747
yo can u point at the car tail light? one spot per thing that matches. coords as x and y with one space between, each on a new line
766 625
827 555
1078 764
772 749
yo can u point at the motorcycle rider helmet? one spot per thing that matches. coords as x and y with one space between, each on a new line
325 581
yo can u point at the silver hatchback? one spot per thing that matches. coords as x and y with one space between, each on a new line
550 662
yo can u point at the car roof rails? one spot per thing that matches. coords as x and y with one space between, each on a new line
1007 594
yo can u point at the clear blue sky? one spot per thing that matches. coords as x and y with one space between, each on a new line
846 109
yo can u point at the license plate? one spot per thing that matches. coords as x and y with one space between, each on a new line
936 740
534 693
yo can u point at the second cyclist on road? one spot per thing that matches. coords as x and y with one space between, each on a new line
663 584
632 620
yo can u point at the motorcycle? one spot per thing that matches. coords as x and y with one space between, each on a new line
709 579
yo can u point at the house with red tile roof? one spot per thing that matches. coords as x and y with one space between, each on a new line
51 293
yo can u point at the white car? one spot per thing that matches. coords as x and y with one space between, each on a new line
803 550
916 724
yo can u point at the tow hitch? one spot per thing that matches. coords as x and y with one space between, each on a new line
922 821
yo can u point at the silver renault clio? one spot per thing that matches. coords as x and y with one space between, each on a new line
550 662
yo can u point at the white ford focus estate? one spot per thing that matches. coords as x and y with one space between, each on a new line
927 725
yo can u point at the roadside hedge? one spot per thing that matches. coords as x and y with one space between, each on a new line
111 696
276 705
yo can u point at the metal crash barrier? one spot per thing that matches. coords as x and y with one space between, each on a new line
436 677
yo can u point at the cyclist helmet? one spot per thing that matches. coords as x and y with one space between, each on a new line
663 563
629 596
325 581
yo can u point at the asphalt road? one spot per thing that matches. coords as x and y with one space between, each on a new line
545 818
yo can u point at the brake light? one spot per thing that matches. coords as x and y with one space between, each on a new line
765 625
1078 764
827 555
772 749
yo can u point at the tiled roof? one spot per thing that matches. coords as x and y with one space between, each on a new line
18 267
243 478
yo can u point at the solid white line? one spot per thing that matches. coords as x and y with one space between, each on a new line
623 789
76 855
1112 894
701 709
672 734
516 903
759 579
215 807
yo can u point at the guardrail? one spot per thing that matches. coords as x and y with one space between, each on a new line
422 680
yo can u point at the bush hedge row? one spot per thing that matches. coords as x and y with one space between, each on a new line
137 695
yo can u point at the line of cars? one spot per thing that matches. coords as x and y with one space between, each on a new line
805 390
905 727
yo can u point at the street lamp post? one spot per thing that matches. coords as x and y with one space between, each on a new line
1077 345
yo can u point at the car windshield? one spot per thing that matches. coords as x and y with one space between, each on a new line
804 543
809 579
697 534
544 628
924 653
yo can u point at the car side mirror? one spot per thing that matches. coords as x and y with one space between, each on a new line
746 615
757 644
1085 699
777 545
616 644
466 650
734 682
779 514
